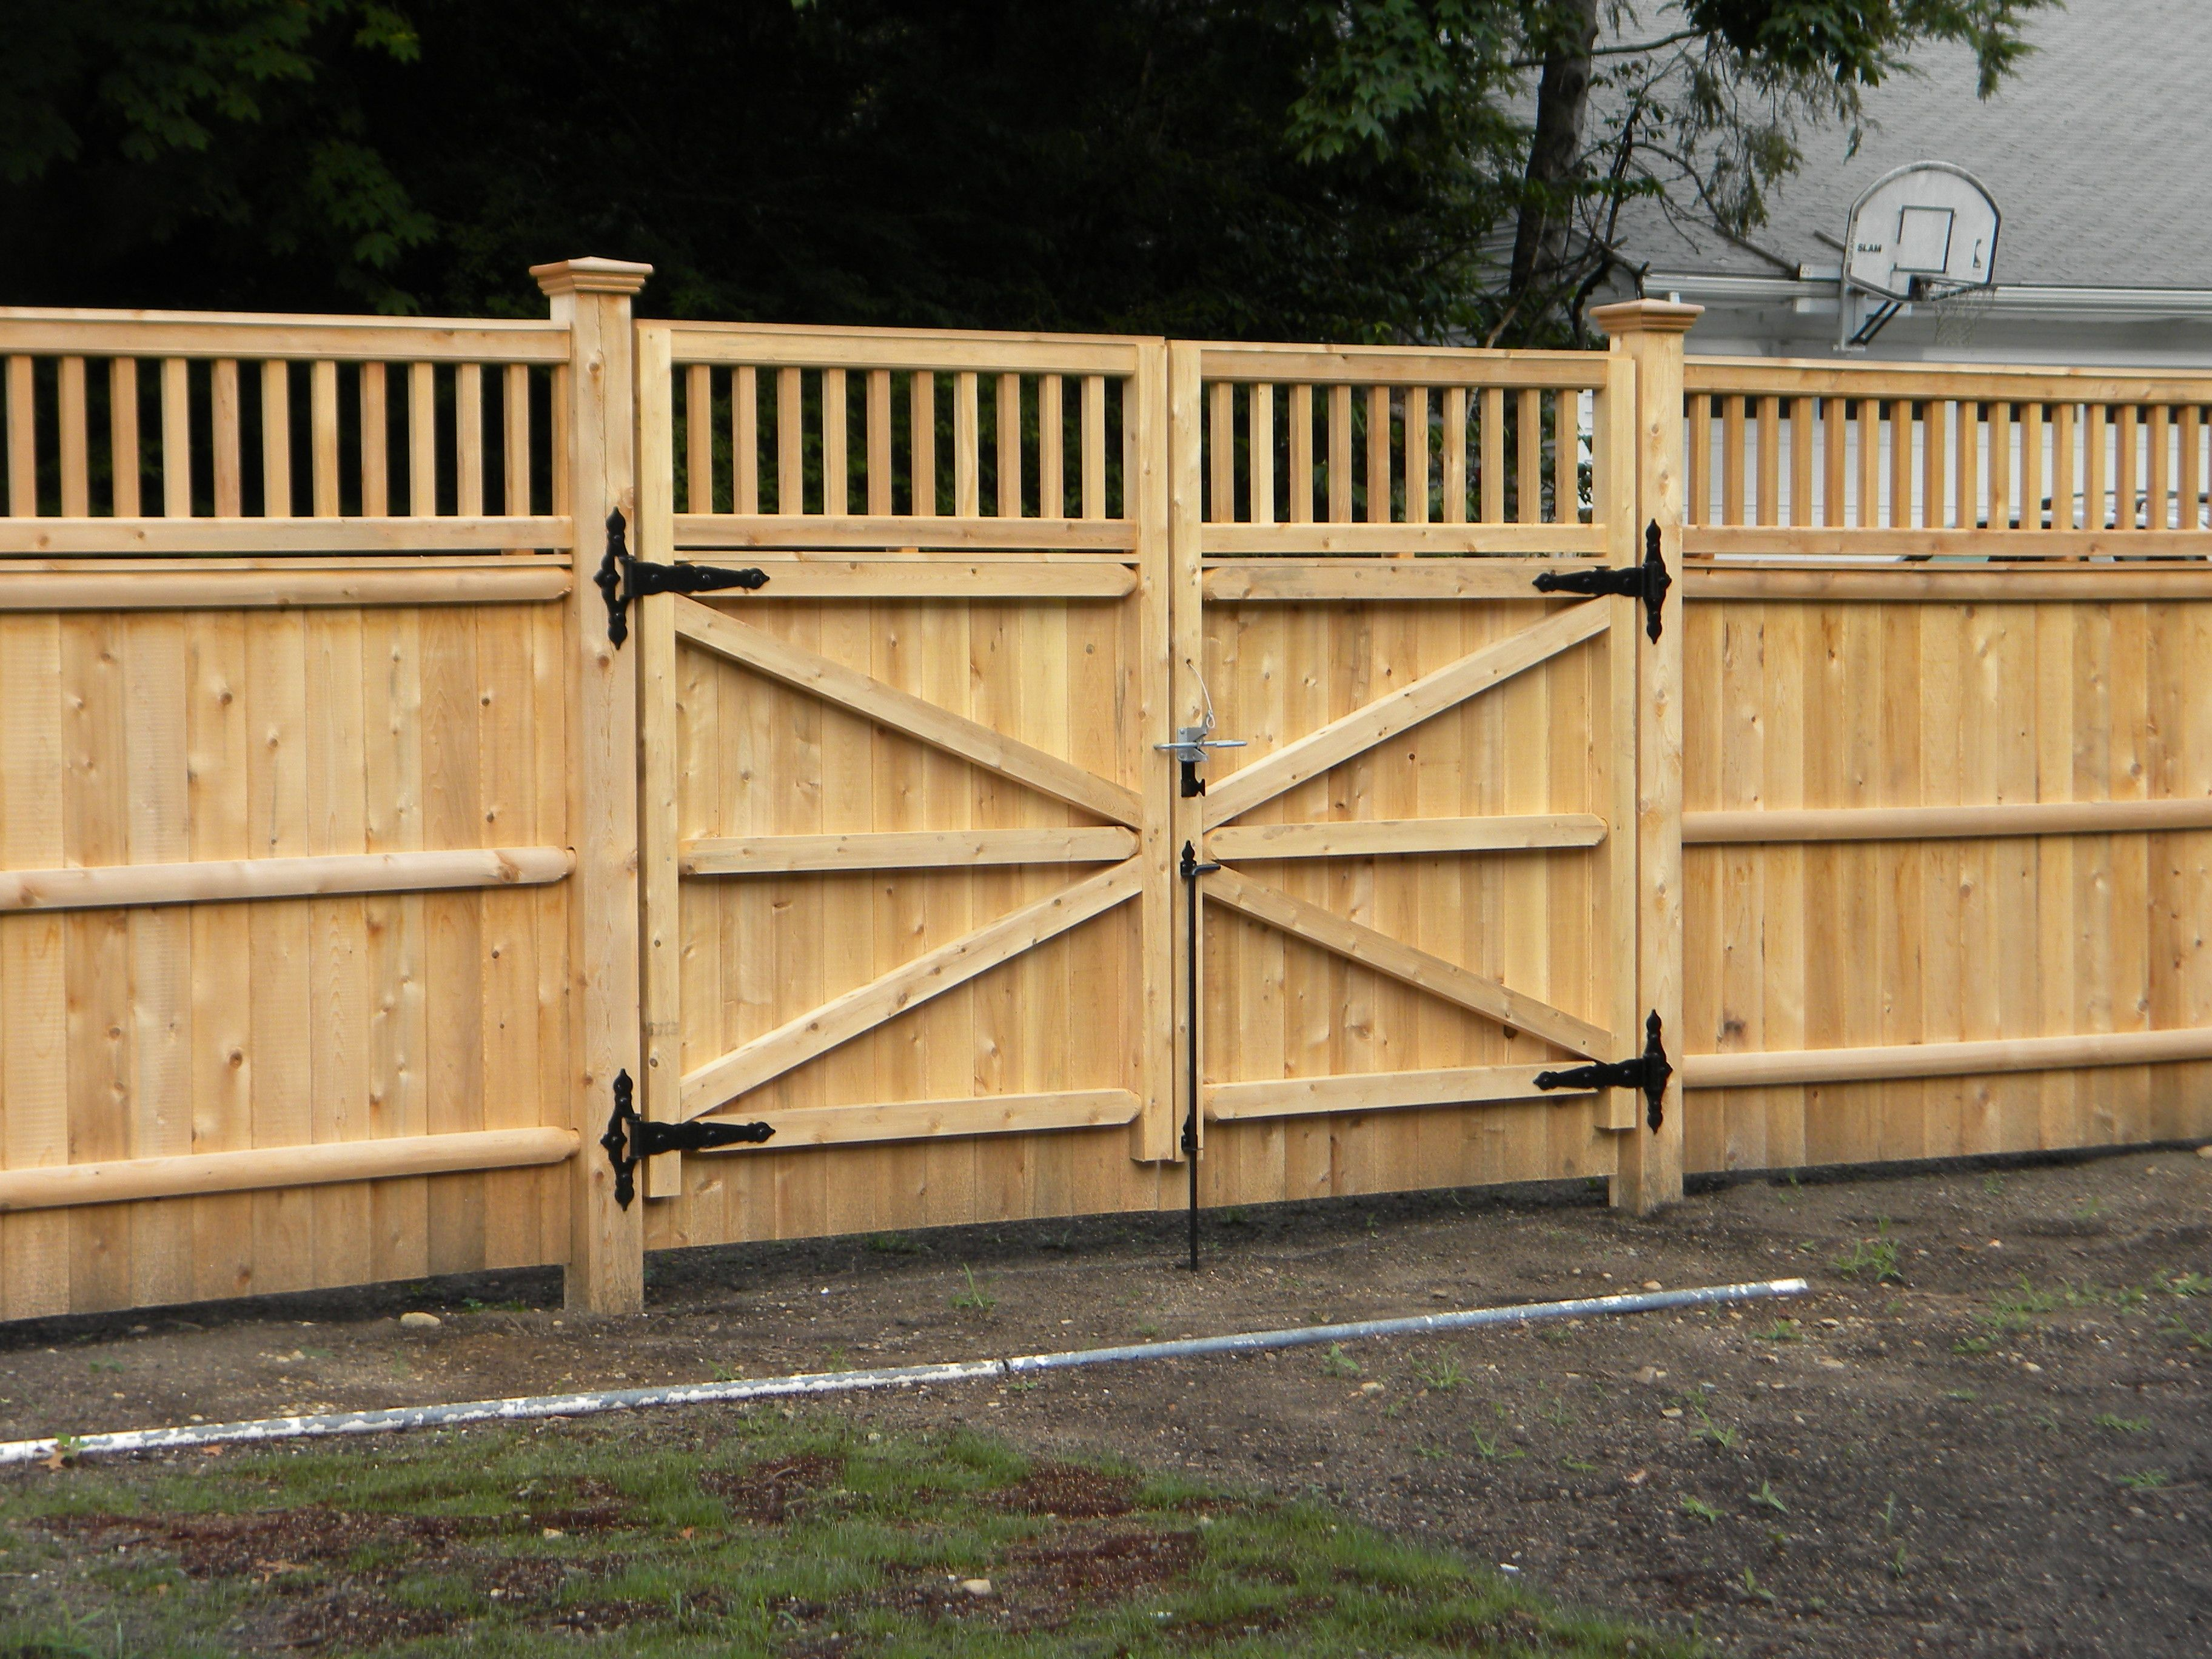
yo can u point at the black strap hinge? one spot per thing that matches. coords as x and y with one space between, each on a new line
1648 581
1648 1072
622 579
630 1139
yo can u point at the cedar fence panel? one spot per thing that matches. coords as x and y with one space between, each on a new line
283 805
1947 815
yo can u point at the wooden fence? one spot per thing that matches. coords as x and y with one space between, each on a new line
347 858
1947 773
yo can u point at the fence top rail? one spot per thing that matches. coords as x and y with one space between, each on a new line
1815 378
28 330
776 345
1421 365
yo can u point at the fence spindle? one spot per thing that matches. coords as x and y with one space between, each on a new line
514 413
921 403
1455 437
1261 451
1493 454
1835 432
176 437
422 440
836 428
1300 478
2094 440
1529 486
1770 461
76 480
744 440
699 439
1378 454
2186 476
1339 454
222 407
879 443
323 437
790 443
22 448
468 441
1567 457
1698 498
2030 467
967 447
2157 514
1732 468
375 441
1094 446
123 436
1417 454
1221 451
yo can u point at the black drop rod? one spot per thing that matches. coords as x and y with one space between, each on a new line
1192 870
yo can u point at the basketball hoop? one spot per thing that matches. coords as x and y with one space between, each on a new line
1925 232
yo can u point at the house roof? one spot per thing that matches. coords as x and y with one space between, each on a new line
2098 151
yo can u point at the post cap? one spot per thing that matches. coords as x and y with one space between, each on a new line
591 275
1645 317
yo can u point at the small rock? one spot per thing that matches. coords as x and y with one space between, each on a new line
552 1532
1370 1387
976 1586
1651 1284
1829 1363
1997 1244
2030 1365
420 1321
1672 1410
2204 1152
1649 1374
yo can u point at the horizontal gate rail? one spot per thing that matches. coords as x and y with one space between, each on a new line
1371 1091
243 586
902 849
262 1168
319 876
1778 1067
1356 838
1843 824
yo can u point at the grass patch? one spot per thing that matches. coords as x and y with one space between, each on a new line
974 1296
756 1537
1875 1258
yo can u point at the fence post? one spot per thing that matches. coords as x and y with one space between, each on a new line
597 408
1650 1171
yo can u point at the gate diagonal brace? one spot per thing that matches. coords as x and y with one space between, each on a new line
622 579
630 1139
1648 581
1647 1072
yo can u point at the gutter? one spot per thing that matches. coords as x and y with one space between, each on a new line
1814 289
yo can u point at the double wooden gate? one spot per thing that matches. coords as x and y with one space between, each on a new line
913 825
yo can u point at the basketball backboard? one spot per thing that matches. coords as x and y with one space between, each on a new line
1917 233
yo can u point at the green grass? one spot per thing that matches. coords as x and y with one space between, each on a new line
974 1296
661 1538
1876 1257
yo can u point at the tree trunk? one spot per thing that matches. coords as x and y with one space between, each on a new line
1540 240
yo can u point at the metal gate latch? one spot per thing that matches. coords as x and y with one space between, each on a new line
622 579
1648 1072
1189 748
630 1139
1648 581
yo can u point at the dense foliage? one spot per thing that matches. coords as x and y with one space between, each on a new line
1309 168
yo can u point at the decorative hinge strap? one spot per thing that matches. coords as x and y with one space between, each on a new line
622 578
1648 581
1647 1072
630 1139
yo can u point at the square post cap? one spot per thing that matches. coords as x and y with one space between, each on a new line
1645 317
592 277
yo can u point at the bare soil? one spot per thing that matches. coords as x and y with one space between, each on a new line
2002 1450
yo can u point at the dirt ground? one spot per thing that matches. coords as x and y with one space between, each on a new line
1999 1449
